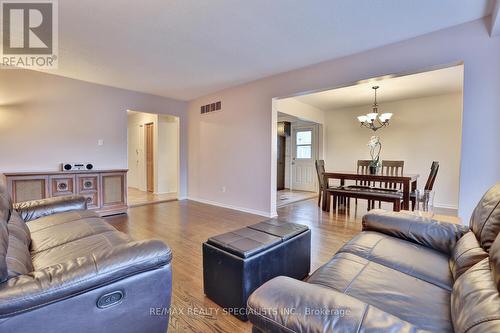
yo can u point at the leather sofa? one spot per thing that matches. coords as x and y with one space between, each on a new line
64 269
402 273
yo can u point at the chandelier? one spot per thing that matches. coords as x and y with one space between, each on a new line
373 120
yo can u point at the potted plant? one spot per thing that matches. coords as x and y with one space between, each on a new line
375 147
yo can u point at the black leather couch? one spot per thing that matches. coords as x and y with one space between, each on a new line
64 269
403 273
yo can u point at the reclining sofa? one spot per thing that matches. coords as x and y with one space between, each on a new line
402 273
64 269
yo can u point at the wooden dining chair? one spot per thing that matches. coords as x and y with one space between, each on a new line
429 185
362 167
392 168
320 170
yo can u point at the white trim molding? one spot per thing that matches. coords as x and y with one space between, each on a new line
241 209
495 20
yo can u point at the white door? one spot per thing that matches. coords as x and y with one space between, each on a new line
304 151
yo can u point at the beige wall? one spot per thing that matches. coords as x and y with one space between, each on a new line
237 147
47 119
422 130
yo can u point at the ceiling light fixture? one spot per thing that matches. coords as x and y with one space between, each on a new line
369 119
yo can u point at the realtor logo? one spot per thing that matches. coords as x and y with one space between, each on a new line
29 34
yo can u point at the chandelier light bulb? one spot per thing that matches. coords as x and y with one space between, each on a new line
374 120
362 119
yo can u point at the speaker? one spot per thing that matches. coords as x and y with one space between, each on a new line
67 166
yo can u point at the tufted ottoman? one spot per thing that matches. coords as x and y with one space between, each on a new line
238 262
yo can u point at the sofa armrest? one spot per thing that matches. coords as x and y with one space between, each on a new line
440 236
76 276
31 210
287 305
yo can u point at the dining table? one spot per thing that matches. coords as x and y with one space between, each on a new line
408 182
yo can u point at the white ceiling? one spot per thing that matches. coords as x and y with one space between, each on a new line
188 48
437 82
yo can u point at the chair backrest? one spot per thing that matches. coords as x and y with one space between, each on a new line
392 168
362 167
320 170
432 176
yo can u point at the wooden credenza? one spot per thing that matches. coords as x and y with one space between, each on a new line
105 190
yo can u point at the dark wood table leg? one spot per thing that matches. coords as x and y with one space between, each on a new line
323 204
325 195
406 195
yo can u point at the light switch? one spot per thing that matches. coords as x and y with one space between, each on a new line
100 142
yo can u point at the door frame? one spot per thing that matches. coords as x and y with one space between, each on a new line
149 147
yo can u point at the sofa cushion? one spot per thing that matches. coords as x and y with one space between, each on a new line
495 261
485 220
466 254
63 233
475 304
18 257
416 301
82 247
60 218
15 258
5 206
406 257
4 243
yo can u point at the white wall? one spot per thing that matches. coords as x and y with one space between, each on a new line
236 147
168 152
303 111
422 130
47 119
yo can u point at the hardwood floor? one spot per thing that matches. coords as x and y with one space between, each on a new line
137 197
286 197
185 225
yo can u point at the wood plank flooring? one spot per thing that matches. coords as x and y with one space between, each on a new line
185 225
137 197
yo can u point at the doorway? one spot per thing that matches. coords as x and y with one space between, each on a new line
304 151
153 157
280 181
149 157
297 150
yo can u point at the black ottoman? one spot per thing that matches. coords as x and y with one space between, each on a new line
238 262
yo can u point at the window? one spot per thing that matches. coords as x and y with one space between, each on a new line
304 144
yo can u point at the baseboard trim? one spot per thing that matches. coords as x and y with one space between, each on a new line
438 205
241 209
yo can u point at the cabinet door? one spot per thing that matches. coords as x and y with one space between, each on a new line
114 191
88 186
62 185
26 188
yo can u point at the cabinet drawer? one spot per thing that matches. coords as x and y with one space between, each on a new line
88 186
88 183
92 199
61 185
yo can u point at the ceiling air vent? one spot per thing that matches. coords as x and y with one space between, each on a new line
217 106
